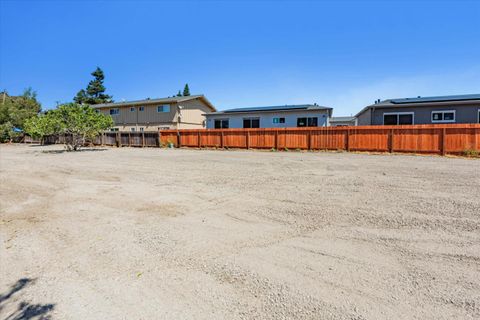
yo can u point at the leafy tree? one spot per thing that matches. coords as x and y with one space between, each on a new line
95 91
14 111
81 122
186 90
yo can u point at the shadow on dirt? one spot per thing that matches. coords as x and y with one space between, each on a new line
81 150
25 310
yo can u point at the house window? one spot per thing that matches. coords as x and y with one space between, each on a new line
398 118
164 108
221 123
307 122
478 118
114 111
141 108
132 109
278 120
132 129
443 116
141 129
251 123
114 129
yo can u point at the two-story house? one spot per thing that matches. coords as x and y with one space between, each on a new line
186 112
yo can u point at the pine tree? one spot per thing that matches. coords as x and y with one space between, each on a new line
94 94
179 94
186 90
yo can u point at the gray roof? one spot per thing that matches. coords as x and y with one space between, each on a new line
297 107
422 101
436 99
156 100
342 119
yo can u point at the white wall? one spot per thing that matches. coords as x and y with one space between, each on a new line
266 119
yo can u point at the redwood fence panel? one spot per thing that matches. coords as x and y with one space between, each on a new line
430 139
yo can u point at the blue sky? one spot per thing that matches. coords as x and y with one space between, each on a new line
343 54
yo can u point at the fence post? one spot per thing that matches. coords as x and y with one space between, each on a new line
309 142
390 141
347 141
118 139
276 139
159 144
248 139
198 137
221 139
444 142
179 139
103 138
129 139
143 139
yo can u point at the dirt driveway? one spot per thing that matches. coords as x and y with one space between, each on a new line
187 234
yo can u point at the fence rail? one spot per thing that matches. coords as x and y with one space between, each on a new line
430 139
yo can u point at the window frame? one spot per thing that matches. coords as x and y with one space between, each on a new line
115 113
443 116
132 109
221 123
163 108
279 120
251 119
141 108
478 115
398 117
307 121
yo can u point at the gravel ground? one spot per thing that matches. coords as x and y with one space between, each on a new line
188 234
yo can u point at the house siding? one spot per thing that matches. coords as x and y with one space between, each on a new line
266 119
193 116
423 115
466 113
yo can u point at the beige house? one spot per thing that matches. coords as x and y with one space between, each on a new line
153 114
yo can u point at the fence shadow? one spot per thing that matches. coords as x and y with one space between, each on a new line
24 310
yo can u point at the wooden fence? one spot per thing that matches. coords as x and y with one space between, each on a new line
431 139
119 139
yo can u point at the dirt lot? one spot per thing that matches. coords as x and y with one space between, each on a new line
187 234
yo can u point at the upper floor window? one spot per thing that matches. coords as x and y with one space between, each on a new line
114 111
164 108
251 123
307 122
443 116
221 123
141 108
279 120
397 118
132 109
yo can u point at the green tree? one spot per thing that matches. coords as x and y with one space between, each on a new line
179 94
81 122
14 111
186 90
95 91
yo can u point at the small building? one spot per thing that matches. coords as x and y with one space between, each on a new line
305 115
186 112
342 121
422 110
